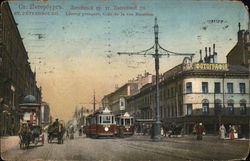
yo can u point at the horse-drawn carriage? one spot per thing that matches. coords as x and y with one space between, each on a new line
56 131
30 134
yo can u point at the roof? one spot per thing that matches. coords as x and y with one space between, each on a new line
29 100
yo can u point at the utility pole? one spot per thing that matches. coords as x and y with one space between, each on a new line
157 55
94 101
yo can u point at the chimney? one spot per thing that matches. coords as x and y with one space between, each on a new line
213 49
205 58
200 57
214 54
240 35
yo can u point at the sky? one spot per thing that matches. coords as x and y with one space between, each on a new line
74 49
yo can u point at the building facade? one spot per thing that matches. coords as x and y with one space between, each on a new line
45 114
16 77
116 100
206 91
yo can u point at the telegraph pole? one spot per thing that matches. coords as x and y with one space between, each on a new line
157 55
94 101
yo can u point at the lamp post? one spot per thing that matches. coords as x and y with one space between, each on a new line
156 55
157 125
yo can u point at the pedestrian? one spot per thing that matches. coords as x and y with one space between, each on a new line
162 131
231 132
222 131
67 133
199 131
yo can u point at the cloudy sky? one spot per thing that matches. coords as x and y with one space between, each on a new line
72 45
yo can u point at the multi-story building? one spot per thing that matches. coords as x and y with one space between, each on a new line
16 77
116 100
206 91
240 54
45 113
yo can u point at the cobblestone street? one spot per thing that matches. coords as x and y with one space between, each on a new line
132 148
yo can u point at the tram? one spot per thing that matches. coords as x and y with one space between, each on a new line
101 124
125 124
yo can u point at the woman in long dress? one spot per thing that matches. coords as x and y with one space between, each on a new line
222 132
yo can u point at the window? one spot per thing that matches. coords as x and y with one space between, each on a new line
217 87
189 109
242 88
230 108
189 87
243 108
100 119
205 107
121 123
106 119
204 87
230 88
127 121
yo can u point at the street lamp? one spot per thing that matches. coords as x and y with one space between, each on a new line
156 55
157 125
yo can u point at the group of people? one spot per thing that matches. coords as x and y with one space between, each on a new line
70 132
232 132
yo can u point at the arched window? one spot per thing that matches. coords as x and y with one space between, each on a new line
205 106
230 107
217 106
243 107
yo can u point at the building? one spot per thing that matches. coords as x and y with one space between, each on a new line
116 100
16 77
239 55
205 91
45 114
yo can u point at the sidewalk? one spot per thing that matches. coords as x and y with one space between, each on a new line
207 137
8 142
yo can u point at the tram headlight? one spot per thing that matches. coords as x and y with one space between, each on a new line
106 129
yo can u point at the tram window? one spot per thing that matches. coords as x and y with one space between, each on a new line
112 119
100 119
106 119
122 121
132 121
127 121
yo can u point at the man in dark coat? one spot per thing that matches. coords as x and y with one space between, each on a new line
199 131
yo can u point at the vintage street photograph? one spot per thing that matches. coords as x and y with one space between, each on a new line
124 80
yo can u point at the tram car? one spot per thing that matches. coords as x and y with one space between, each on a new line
101 124
125 125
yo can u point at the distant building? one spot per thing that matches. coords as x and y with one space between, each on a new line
16 77
45 113
116 100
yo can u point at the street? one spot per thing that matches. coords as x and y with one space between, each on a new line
135 148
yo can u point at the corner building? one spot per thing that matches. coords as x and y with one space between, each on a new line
206 92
